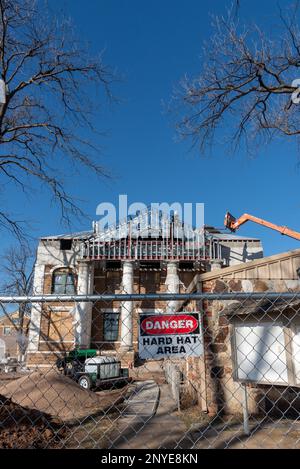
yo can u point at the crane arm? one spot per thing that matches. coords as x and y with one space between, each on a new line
234 224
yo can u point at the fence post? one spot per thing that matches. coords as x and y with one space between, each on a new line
177 381
245 410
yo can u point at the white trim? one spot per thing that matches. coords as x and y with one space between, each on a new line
61 266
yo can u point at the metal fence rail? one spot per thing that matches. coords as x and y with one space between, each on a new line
193 370
149 296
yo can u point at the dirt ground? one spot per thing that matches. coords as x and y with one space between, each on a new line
206 432
25 428
48 410
263 435
57 395
93 433
97 431
52 393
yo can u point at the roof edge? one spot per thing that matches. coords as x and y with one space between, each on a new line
249 265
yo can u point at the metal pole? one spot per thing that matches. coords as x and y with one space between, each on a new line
178 382
245 410
149 296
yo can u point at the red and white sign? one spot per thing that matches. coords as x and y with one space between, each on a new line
165 335
168 325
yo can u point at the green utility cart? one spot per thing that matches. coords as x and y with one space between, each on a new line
92 370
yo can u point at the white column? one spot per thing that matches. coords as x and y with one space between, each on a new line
172 283
83 310
127 307
216 264
36 309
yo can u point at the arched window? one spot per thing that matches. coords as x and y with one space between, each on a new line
63 282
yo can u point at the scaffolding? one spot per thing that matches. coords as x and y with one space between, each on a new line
151 236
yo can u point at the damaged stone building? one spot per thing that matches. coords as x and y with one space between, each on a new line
149 253
142 257
254 342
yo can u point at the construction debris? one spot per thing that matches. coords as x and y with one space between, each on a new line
54 394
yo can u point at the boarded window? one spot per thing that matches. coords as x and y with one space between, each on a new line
111 327
60 327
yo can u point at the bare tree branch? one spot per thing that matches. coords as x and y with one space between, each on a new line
245 87
49 76
17 268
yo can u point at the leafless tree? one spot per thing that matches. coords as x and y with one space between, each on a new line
246 91
48 74
17 267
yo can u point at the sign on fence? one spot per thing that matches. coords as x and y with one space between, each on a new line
261 353
166 335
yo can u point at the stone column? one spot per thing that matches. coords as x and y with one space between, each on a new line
127 308
36 309
216 264
172 283
83 310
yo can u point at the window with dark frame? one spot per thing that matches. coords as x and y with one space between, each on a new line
66 244
111 327
63 282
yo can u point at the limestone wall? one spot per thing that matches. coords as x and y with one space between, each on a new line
215 385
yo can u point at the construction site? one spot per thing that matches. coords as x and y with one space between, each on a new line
134 332
150 242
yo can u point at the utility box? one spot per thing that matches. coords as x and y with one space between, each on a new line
109 367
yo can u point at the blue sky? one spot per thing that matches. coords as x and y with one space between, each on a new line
152 44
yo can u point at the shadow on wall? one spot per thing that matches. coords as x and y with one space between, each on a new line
49 330
235 255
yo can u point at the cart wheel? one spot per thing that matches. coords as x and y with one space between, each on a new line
85 382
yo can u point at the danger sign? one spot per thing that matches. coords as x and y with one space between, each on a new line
164 335
165 325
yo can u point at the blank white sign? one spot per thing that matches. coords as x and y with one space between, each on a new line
296 352
260 353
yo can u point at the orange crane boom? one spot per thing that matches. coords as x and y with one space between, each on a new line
234 224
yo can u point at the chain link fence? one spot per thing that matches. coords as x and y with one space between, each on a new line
122 371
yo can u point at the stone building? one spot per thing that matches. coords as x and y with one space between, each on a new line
149 253
9 335
215 379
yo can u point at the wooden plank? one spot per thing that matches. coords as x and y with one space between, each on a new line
288 337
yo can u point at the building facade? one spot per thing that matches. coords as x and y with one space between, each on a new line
149 253
271 361
10 339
